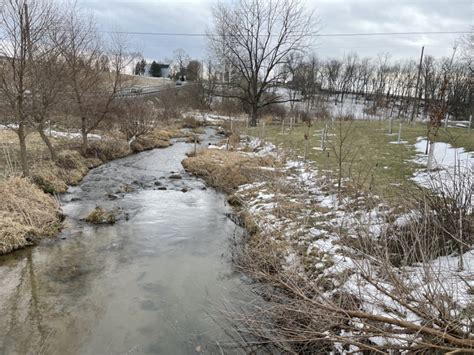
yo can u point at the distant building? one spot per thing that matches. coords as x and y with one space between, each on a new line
164 70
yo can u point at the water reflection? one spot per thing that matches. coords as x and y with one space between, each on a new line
147 285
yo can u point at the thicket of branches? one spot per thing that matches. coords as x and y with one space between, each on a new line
252 39
389 83
407 290
54 63
263 49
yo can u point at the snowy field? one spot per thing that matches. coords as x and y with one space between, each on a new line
314 222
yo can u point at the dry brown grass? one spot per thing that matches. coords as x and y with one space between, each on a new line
69 170
27 214
153 140
100 215
225 170
169 133
191 122
107 150
71 166
49 177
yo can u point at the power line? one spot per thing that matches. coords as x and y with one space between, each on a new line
176 34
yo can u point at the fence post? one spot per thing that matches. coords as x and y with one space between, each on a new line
323 137
306 138
400 133
195 144
429 166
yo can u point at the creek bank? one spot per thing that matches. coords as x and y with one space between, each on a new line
29 212
72 166
151 284
327 253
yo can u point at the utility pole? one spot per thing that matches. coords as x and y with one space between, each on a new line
415 104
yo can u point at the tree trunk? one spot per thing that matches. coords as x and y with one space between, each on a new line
84 135
23 154
48 143
253 116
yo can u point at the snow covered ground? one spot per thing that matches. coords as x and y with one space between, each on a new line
214 119
58 134
301 205
450 166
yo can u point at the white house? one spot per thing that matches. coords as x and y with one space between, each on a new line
164 70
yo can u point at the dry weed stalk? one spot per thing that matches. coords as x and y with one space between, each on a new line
403 294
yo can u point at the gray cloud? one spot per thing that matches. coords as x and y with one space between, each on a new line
336 16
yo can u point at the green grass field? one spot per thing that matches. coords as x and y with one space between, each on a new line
370 161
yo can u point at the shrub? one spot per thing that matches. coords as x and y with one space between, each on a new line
191 123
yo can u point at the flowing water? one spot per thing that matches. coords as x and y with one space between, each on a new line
150 284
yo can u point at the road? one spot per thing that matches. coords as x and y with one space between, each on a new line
139 90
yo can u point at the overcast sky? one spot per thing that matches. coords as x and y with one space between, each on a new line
336 16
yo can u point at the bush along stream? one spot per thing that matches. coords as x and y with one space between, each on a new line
148 278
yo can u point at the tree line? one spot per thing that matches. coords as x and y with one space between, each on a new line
394 84
264 51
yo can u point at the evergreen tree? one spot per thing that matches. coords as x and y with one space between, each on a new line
155 69
137 70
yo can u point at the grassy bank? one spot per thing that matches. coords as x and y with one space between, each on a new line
29 211
226 170
342 269
369 159
27 214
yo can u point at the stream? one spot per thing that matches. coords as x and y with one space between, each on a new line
152 283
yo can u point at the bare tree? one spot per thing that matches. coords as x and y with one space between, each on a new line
209 84
333 72
348 74
181 61
24 30
47 95
193 70
136 118
95 75
343 145
253 39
